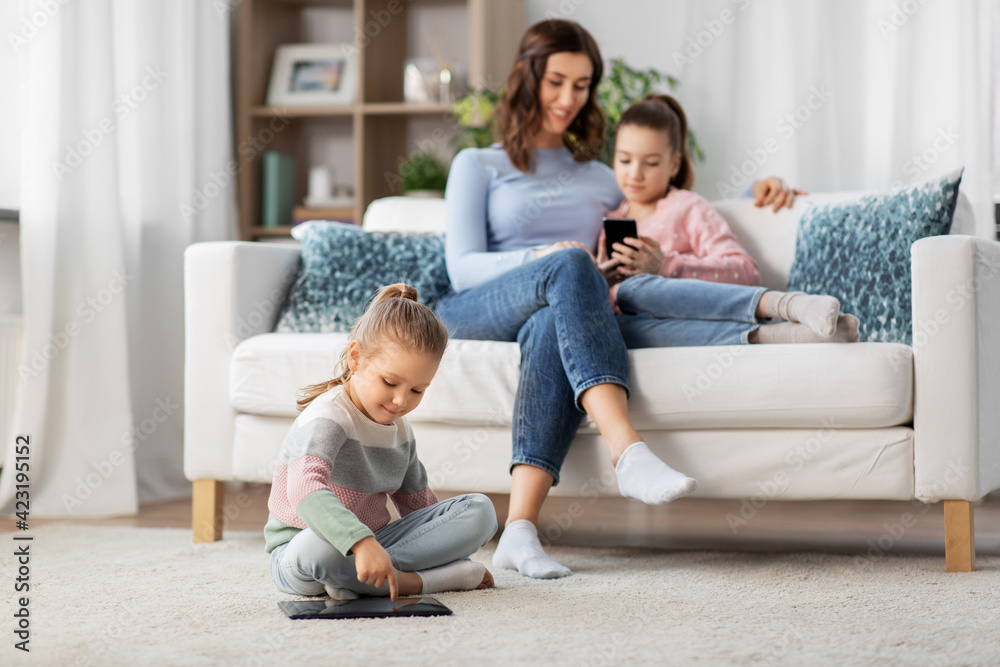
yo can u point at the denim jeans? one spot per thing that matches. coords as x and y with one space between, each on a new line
670 312
437 535
556 307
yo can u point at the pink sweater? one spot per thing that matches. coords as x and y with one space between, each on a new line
696 242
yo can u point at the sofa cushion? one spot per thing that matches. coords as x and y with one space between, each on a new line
343 267
864 385
859 252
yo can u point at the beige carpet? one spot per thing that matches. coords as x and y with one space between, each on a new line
146 596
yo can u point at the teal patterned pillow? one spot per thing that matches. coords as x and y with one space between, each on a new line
342 268
859 252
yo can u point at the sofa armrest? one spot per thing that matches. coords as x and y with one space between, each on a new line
232 290
956 356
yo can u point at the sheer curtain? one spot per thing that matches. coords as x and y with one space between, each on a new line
853 94
125 129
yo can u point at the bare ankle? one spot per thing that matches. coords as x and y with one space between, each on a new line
410 583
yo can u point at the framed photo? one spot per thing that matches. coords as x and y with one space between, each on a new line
313 75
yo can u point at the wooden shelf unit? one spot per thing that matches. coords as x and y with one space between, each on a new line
379 119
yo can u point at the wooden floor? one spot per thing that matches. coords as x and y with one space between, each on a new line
868 529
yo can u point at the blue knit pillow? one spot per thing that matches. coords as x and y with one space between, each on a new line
342 268
859 252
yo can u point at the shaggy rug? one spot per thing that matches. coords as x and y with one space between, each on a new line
108 595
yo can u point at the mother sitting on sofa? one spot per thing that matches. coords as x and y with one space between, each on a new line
523 218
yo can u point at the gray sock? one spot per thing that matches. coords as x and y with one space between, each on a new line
818 311
794 332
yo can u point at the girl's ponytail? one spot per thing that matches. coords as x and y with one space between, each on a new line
664 113
396 291
394 317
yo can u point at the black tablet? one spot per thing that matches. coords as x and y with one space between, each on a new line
363 608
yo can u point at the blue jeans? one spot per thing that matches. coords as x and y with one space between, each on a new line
556 307
671 312
437 535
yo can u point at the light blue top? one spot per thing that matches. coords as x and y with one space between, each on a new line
498 215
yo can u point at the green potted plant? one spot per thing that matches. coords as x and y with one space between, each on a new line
423 174
475 117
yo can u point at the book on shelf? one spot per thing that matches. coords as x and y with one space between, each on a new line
278 191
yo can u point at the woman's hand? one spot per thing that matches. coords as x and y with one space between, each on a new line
638 256
775 191
374 566
561 245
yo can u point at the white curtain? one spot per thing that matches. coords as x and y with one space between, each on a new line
125 142
845 95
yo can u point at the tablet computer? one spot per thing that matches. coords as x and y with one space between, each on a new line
363 608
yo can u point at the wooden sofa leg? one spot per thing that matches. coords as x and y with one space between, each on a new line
206 510
959 536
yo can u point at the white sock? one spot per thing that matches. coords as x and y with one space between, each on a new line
643 476
519 549
459 575
340 593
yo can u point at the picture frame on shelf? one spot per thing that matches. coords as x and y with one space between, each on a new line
313 75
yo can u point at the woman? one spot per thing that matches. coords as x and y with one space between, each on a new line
523 218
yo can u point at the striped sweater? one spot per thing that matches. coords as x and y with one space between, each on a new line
335 470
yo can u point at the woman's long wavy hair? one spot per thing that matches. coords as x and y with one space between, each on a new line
394 317
519 112
664 114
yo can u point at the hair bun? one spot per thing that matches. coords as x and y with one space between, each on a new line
398 291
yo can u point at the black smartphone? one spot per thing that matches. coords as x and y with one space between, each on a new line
616 230
363 608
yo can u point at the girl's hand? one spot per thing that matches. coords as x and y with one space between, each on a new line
561 245
608 267
637 256
374 566
776 191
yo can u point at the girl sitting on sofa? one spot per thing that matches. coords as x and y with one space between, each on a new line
350 448
687 280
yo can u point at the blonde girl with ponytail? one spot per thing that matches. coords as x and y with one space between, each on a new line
686 279
349 451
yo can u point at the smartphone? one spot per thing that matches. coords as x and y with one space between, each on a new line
616 230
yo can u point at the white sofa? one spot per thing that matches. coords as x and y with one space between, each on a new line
787 422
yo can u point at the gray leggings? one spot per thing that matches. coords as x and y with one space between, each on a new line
437 535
